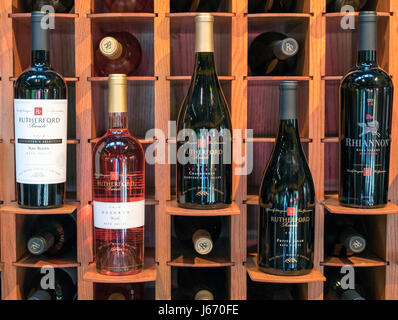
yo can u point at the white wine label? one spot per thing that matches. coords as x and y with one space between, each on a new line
40 140
119 215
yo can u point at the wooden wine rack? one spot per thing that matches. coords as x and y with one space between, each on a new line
155 94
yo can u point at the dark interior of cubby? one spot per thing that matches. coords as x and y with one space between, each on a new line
341 46
98 6
298 28
22 273
62 46
216 278
225 5
372 227
221 246
375 5
331 167
141 28
370 282
332 108
142 291
182 45
263 108
264 291
18 6
301 6
23 224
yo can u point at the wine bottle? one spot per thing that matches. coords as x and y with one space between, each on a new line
120 6
52 235
194 5
201 284
64 286
287 198
60 6
40 118
366 102
273 54
337 5
119 190
198 234
336 291
125 291
118 53
204 166
262 6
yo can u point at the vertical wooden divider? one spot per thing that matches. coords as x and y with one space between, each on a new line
162 171
238 106
391 290
316 120
7 185
83 52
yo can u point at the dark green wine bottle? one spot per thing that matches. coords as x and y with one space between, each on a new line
287 199
204 176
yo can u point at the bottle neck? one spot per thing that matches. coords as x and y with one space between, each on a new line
204 64
40 58
117 121
367 58
288 131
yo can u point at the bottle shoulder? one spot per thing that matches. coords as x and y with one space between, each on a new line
43 77
366 77
115 143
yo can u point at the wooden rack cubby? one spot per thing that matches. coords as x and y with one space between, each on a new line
155 93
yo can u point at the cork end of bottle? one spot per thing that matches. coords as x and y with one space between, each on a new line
111 48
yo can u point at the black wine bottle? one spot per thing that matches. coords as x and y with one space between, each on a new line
198 234
336 291
337 5
287 198
366 102
345 236
202 284
60 6
40 118
273 54
52 235
194 5
62 287
204 166
262 6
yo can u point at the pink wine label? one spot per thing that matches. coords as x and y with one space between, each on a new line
119 215
40 141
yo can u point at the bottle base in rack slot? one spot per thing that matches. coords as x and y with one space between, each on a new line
278 272
358 206
119 273
195 206
41 196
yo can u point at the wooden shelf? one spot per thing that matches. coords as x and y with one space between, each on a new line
333 206
194 14
57 15
130 78
13 207
356 14
147 275
271 140
30 261
332 78
67 79
128 15
188 78
365 259
142 141
200 262
330 140
173 209
278 16
252 200
278 78
258 276
69 141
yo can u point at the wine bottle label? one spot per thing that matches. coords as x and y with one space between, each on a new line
119 215
40 141
365 146
290 237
